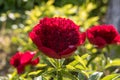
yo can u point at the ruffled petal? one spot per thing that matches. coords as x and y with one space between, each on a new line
15 60
35 61
49 52
26 58
68 52
116 40
35 39
82 37
20 69
99 42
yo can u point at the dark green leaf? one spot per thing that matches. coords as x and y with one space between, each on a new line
95 76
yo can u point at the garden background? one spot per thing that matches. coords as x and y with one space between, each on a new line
18 17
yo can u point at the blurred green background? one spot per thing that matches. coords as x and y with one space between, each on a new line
18 17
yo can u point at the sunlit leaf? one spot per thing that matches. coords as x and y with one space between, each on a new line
73 63
70 67
80 60
35 73
85 56
52 62
115 62
41 65
79 67
112 77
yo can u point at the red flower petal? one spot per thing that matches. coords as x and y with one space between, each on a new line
117 40
27 57
82 37
15 60
99 42
68 52
20 69
34 62
35 39
49 52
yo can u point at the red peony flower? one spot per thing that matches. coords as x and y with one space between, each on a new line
20 60
57 37
103 35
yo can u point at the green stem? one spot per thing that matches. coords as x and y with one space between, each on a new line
106 57
93 57
59 68
106 54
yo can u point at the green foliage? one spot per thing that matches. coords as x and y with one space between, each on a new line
112 63
95 76
112 77
88 62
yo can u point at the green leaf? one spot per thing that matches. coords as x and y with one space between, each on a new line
115 62
52 62
79 67
41 65
35 73
13 75
68 76
85 56
73 63
112 77
82 76
80 60
70 67
77 64
49 70
95 76
49 73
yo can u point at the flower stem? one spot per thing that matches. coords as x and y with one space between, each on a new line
93 57
106 55
59 64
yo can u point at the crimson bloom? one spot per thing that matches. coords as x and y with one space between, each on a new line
57 37
20 60
103 35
